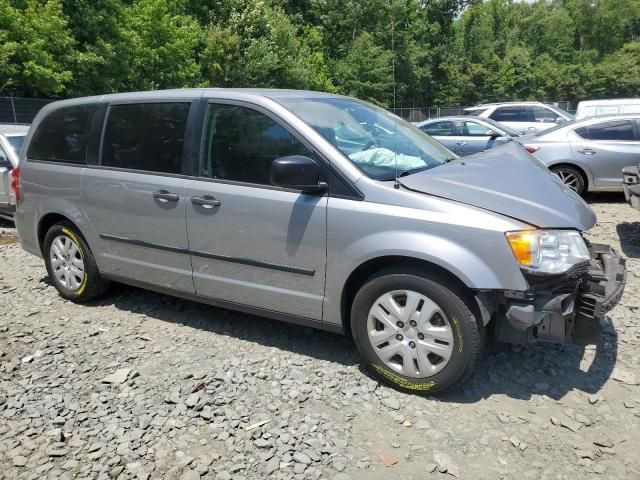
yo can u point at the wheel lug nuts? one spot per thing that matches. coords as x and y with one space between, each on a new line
413 323
421 336
400 324
412 344
399 337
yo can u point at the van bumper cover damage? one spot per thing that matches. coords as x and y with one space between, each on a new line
567 307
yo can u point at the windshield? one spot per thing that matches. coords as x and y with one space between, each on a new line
554 128
501 126
372 138
16 142
562 112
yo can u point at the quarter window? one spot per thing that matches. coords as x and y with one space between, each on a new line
145 136
509 114
241 143
620 130
442 129
63 135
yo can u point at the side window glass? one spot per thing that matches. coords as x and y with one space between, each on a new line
145 136
63 135
509 114
582 132
241 143
4 160
473 129
542 115
443 129
621 130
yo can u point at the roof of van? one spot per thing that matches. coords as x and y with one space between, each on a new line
610 100
200 92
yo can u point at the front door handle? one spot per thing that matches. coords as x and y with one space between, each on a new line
462 144
165 196
206 201
587 151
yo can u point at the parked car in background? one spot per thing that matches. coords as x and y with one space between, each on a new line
11 138
467 135
260 201
589 155
598 108
525 117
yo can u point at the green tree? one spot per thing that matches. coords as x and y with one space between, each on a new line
366 71
37 49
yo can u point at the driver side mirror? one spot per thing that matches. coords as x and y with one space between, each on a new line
297 172
559 120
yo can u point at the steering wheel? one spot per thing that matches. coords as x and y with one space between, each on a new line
370 144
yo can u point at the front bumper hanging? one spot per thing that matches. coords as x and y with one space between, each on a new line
568 307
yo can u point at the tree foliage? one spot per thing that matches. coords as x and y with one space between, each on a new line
407 52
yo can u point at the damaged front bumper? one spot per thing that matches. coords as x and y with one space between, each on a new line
567 307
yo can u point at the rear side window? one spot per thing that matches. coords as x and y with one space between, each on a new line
63 135
443 129
620 130
241 143
509 114
145 136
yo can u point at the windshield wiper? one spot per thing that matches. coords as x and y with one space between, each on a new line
411 171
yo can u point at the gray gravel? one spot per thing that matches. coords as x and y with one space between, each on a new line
141 385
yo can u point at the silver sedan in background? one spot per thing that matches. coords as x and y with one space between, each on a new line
467 135
589 155
11 138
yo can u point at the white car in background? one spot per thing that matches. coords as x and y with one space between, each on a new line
599 108
525 117
11 139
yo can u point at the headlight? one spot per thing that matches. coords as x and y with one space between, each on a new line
548 251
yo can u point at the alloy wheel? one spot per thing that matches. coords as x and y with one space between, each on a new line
568 178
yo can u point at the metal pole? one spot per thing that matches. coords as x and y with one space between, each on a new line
13 109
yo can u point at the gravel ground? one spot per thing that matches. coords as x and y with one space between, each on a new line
142 385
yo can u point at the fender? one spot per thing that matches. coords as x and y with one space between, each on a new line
473 268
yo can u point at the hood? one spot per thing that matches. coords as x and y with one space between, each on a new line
509 181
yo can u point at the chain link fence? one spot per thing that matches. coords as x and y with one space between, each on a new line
23 110
20 110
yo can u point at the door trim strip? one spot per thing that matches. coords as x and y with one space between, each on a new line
225 258
256 263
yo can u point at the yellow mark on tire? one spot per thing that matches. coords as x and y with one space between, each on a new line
401 382
458 334
75 240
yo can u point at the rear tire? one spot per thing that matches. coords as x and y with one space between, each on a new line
416 334
571 177
70 264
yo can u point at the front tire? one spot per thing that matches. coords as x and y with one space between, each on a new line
70 264
416 334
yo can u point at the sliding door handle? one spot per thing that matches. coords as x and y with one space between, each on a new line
206 201
165 196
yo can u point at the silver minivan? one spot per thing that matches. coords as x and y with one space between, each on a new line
316 209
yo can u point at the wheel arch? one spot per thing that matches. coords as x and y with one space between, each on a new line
47 221
400 263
